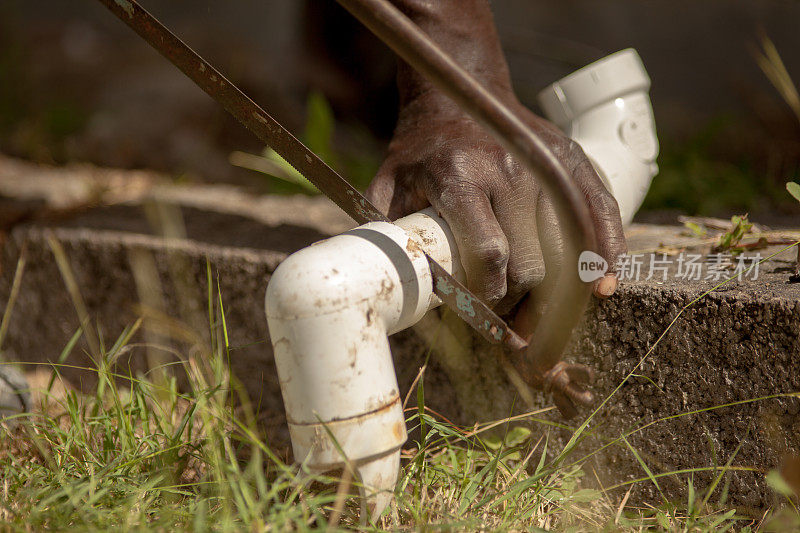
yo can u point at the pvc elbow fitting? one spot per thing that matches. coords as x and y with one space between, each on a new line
605 107
330 309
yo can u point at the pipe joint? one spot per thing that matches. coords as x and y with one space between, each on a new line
606 109
330 308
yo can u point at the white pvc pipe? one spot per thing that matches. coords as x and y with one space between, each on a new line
605 107
330 307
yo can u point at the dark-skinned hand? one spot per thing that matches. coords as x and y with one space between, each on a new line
504 224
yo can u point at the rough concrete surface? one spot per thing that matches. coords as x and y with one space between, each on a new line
737 343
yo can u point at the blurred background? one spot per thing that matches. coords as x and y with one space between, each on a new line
76 85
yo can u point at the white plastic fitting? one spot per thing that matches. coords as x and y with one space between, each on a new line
330 307
605 107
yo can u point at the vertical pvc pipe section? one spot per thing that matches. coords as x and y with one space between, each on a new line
330 309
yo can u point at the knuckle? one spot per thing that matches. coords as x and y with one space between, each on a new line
449 175
601 202
508 164
377 186
451 196
604 203
450 161
523 278
492 253
567 151
380 194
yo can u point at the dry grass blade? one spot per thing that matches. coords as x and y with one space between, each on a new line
524 462
622 505
148 286
492 425
12 297
342 492
770 62
64 267
413 386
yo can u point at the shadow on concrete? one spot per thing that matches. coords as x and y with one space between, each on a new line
203 226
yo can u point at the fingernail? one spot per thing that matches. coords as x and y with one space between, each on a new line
605 286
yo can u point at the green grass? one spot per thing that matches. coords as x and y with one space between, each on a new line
142 453
357 159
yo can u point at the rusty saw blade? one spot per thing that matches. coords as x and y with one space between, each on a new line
455 295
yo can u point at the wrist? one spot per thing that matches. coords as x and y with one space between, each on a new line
432 106
464 29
